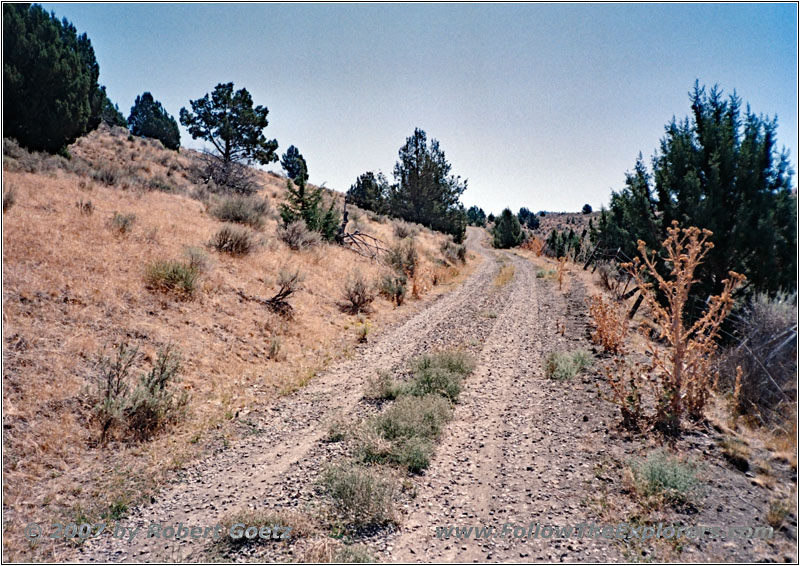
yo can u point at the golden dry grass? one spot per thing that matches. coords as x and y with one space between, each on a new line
72 285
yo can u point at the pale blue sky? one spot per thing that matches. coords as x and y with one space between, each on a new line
538 105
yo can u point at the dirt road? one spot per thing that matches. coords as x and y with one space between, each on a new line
520 449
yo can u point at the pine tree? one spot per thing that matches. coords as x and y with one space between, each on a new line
717 170
476 216
370 192
425 192
507 231
150 120
294 163
305 204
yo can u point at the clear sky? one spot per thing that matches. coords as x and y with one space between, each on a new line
538 105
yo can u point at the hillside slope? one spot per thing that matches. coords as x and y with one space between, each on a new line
74 284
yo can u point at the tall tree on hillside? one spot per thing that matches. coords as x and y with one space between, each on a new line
50 91
150 120
235 128
507 230
294 163
718 170
425 192
369 192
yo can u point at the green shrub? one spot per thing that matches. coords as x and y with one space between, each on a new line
393 288
403 258
414 416
154 403
358 495
145 409
172 276
664 477
561 365
233 240
384 387
249 210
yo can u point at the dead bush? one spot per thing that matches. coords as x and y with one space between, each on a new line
357 294
610 325
288 284
766 354
684 372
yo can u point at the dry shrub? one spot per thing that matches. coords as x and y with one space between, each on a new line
85 207
122 223
297 236
9 198
534 244
403 229
403 258
685 376
357 294
610 323
454 254
233 240
249 210
562 263
765 354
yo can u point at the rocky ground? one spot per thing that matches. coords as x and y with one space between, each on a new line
520 449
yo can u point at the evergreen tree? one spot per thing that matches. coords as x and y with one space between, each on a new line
303 203
717 170
370 192
294 163
425 192
507 230
111 114
150 120
490 218
476 216
230 122
587 208
50 91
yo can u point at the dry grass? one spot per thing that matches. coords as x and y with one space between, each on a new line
504 275
70 289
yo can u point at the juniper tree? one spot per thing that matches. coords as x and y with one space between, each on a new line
507 230
719 170
50 91
294 163
370 192
150 120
